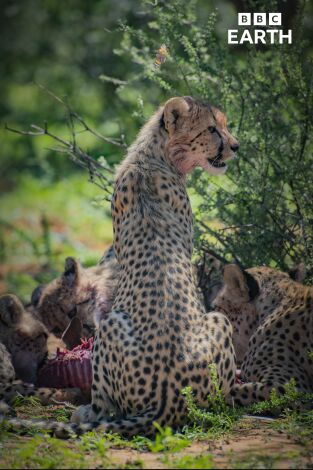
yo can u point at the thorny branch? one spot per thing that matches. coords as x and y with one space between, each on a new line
98 171
75 116
222 241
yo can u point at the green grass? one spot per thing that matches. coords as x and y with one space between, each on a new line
190 461
277 404
166 441
219 418
42 223
256 460
299 425
44 452
33 449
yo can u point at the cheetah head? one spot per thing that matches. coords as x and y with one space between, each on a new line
250 295
236 301
70 299
24 336
197 136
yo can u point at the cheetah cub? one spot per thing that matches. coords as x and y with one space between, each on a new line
71 305
272 318
23 349
157 339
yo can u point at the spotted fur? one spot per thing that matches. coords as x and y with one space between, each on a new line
157 339
72 305
272 318
84 294
23 349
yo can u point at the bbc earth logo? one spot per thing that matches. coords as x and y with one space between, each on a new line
263 29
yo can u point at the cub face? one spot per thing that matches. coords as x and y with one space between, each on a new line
79 297
24 336
249 296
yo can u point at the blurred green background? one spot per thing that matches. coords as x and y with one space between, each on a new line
49 209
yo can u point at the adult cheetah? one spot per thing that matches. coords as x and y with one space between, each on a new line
272 318
157 338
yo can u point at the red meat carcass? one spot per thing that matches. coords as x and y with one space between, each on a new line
69 368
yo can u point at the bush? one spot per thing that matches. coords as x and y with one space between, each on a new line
261 211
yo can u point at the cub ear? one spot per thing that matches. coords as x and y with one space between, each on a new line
11 309
71 273
298 273
107 256
73 333
173 110
36 295
242 284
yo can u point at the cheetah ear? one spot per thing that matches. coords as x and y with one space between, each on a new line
173 110
71 273
242 284
107 256
73 333
36 295
11 309
298 273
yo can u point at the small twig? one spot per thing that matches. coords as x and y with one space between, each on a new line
231 227
76 154
72 114
241 114
210 251
66 404
220 239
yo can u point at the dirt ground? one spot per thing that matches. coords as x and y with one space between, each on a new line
254 445
255 442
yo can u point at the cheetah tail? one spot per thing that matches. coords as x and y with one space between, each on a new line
59 429
140 424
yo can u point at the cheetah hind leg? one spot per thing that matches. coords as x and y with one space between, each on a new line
254 392
86 413
248 393
272 378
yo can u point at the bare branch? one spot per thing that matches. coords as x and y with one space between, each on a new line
72 115
96 170
222 241
209 250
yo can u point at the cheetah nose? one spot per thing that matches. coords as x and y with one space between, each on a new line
235 147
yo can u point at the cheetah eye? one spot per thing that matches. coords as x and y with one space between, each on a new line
84 302
212 129
42 337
